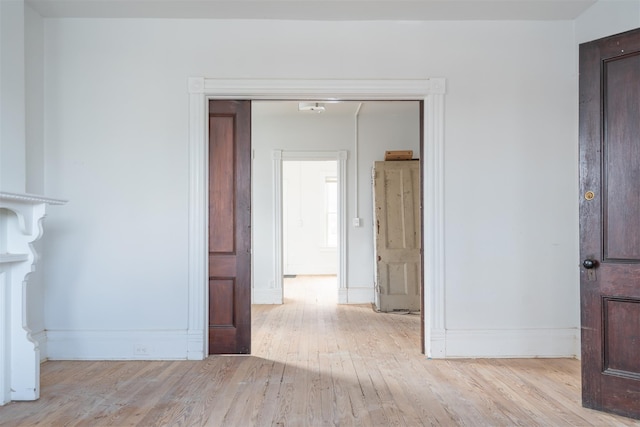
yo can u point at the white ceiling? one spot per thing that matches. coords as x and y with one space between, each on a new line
340 10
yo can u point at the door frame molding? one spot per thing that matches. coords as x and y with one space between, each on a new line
340 157
431 91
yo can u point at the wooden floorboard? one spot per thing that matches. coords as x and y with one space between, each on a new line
314 363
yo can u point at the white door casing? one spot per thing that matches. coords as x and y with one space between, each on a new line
278 157
431 91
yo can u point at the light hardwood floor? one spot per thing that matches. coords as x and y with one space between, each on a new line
314 363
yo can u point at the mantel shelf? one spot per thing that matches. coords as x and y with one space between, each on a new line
7 258
26 198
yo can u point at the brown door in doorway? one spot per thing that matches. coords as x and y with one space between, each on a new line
229 227
610 223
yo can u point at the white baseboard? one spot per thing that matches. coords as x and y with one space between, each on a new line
342 296
41 339
520 343
267 296
355 295
438 344
196 345
175 345
118 345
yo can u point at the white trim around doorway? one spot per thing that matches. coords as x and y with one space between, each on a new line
431 91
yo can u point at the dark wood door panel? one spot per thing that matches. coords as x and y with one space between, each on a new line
229 227
621 163
223 265
610 223
221 184
621 317
221 291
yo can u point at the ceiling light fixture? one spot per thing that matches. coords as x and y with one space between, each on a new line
316 107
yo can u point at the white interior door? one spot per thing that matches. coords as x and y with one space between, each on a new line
396 187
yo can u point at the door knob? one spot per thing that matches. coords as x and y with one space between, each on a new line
589 263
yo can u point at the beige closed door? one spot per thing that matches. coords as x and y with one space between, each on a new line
396 188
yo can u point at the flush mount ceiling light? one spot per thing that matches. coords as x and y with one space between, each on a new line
311 106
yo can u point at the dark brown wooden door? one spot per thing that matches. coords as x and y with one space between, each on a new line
229 227
610 223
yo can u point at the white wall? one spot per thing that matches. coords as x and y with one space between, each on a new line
12 96
116 123
304 210
606 18
34 159
379 131
510 209
34 101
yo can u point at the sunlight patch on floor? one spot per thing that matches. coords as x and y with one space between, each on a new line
320 290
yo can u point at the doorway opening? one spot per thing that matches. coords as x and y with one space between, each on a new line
280 158
310 232
431 93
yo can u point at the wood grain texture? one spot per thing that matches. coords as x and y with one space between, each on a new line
315 363
222 203
609 226
621 165
229 227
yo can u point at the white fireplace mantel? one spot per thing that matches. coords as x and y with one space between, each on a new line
21 218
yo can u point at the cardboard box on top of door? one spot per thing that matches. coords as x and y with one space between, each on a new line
398 155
